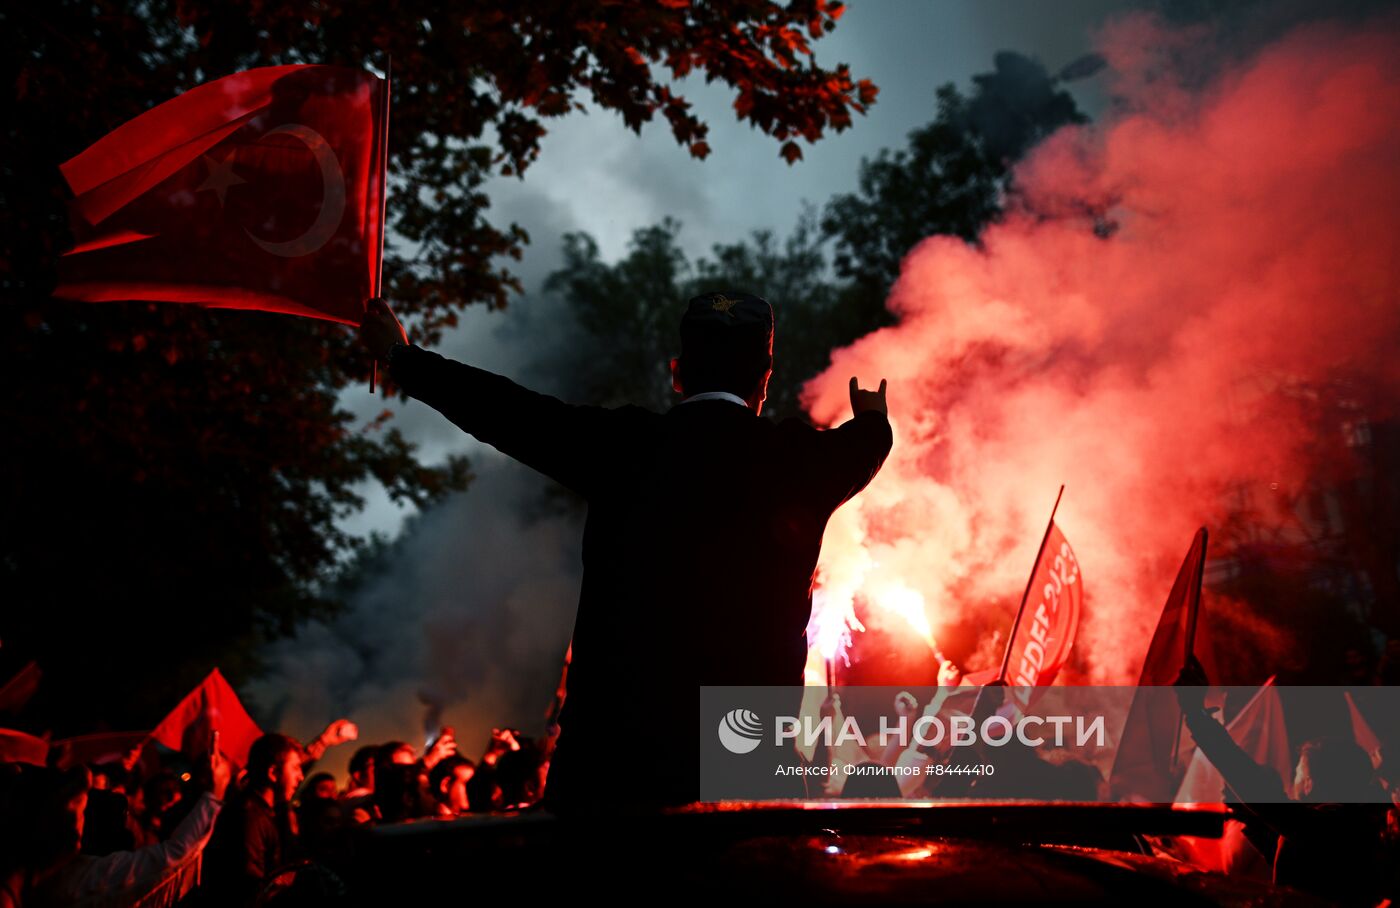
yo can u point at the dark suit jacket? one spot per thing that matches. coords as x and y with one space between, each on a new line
247 847
699 552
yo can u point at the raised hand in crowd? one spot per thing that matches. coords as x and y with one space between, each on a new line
444 747
220 774
1191 686
341 731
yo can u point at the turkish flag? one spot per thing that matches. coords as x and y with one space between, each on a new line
210 707
1144 767
1048 621
260 190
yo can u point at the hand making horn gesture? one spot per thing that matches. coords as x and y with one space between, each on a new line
861 401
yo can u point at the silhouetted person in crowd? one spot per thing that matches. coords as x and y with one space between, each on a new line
253 836
394 753
106 826
161 799
110 871
358 798
516 774
700 549
41 826
321 786
322 824
448 781
484 789
1331 840
401 793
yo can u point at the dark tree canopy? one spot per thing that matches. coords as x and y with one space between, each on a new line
629 310
175 474
952 179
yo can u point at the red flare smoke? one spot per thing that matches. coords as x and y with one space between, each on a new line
1247 249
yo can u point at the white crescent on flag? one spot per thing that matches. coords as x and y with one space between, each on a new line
332 200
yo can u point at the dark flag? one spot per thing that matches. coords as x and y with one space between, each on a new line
261 190
100 747
1144 767
19 747
19 690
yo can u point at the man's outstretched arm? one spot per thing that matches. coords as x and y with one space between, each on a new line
559 440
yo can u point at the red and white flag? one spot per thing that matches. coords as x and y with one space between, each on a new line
1047 621
260 190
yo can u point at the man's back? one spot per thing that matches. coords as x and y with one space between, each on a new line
698 570
701 543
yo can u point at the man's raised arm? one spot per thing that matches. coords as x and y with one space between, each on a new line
559 440
854 451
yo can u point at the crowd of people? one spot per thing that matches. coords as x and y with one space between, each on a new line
154 829
159 827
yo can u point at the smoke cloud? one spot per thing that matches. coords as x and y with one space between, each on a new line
469 630
1142 326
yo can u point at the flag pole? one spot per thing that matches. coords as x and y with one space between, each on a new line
383 142
1006 657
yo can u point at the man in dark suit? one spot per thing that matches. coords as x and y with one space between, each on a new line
700 548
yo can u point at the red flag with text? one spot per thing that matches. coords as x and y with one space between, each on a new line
1144 765
1049 619
260 190
212 706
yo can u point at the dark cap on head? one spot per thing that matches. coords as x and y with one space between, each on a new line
726 343
728 313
